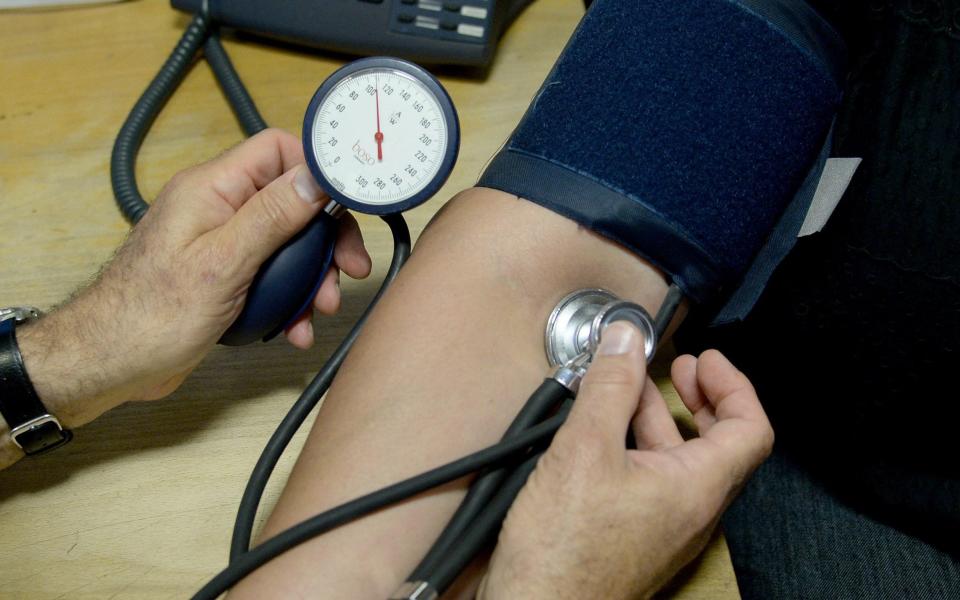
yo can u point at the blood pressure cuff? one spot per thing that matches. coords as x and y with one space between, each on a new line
693 132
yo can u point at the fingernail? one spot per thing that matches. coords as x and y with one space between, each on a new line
306 187
618 338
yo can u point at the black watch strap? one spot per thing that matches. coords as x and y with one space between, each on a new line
32 428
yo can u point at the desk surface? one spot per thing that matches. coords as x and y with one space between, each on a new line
141 504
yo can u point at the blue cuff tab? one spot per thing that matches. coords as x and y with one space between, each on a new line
782 239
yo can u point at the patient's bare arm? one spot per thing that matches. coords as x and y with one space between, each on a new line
443 365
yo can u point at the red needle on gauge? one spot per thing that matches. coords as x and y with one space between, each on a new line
379 134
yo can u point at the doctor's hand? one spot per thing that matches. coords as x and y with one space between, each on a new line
598 520
180 280
211 228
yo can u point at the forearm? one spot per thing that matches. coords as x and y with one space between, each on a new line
443 366
75 362
179 281
102 347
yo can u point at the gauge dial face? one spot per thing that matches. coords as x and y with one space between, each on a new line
380 137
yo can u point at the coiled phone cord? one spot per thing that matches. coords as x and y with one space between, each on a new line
123 158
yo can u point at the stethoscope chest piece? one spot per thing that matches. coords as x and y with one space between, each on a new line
577 322
568 328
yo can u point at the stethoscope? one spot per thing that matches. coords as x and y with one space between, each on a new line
573 333
381 136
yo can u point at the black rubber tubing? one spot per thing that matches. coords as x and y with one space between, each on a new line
547 397
364 505
482 530
252 494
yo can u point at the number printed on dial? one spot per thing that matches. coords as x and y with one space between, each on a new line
379 136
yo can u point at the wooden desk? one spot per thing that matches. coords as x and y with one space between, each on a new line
142 503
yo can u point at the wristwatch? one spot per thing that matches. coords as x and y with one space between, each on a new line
32 427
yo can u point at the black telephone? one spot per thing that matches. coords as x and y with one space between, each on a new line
437 32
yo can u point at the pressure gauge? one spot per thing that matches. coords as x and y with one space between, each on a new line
381 135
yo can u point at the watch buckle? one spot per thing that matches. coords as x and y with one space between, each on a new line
20 313
35 424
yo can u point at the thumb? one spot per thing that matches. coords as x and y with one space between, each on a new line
611 388
274 215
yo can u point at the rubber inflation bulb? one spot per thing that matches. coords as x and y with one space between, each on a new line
285 284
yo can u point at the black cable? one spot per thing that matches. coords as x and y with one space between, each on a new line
667 310
199 34
287 539
541 402
483 530
252 494
123 159
237 95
